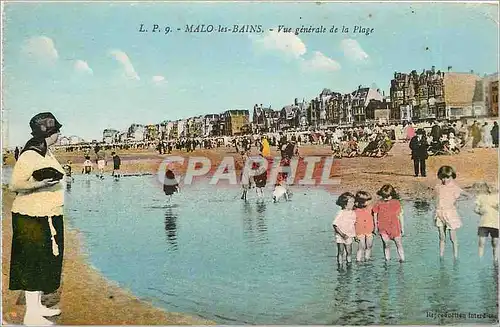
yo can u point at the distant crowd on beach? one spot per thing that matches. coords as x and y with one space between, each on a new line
377 139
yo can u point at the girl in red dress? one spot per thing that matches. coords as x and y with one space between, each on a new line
388 217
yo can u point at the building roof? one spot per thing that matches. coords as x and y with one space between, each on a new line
237 112
459 88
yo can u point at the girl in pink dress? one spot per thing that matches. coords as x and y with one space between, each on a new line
410 132
388 217
343 224
447 218
364 226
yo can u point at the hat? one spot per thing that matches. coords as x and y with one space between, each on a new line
44 125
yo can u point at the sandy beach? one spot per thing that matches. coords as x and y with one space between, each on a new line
88 298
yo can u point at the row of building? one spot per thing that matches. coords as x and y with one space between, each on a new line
413 96
230 122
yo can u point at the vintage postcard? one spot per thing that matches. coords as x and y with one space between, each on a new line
250 163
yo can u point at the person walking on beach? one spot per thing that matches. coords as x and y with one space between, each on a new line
116 165
388 217
16 153
475 132
487 208
494 134
419 154
364 225
410 131
486 136
344 227
446 217
436 131
37 221
265 149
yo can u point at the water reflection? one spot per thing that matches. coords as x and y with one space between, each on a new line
489 291
261 217
171 227
422 207
384 299
68 186
254 221
441 293
343 293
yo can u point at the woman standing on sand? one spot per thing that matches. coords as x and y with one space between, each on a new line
486 136
37 220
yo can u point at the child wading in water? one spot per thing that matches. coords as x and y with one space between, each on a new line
116 165
364 226
260 179
68 171
487 207
246 181
170 184
87 166
343 224
388 217
447 193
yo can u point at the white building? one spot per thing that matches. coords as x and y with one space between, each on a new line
109 135
181 127
136 132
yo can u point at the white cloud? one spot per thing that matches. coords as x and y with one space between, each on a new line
287 43
158 79
124 60
83 67
40 48
320 62
352 50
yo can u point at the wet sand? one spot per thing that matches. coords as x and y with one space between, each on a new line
87 298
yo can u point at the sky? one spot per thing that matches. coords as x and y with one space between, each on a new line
89 64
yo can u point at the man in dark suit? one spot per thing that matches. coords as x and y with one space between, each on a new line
418 146
436 132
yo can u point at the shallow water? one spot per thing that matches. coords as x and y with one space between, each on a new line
212 255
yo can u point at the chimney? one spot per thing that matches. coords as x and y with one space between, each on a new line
472 71
449 68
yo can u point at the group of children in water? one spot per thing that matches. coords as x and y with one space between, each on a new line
359 220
